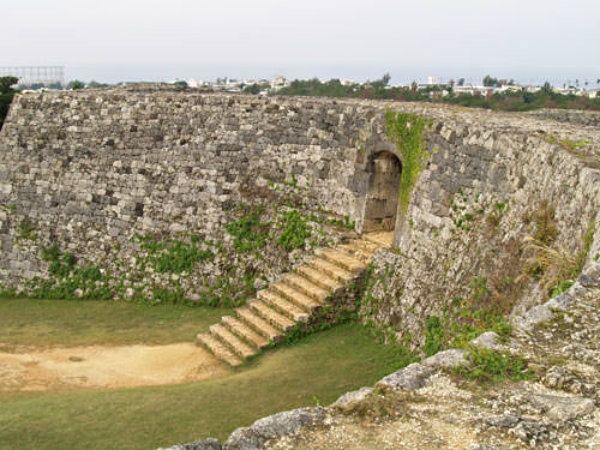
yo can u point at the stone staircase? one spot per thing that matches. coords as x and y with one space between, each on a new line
291 299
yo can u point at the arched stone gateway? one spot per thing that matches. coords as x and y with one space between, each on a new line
381 203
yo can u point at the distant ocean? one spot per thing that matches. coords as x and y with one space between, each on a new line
169 71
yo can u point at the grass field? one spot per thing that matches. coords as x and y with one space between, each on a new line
74 323
314 371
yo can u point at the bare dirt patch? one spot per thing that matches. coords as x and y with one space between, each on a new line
100 367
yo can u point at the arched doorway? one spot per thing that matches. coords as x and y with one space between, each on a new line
381 203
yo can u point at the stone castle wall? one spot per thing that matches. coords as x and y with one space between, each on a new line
91 169
489 178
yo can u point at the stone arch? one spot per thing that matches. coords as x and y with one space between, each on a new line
383 192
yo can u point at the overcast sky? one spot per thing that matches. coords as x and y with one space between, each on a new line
526 34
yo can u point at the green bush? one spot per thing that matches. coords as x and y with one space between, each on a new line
491 366
6 96
434 333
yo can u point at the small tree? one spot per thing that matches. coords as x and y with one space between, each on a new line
253 88
547 88
6 84
489 81
6 95
76 85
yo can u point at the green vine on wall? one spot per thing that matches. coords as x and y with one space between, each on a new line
406 131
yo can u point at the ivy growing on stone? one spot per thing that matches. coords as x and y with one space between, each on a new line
406 131
295 230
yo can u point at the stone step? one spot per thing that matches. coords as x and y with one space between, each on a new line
238 346
293 295
319 278
244 331
307 287
341 259
359 250
217 348
381 239
283 306
369 246
291 300
270 315
258 324
334 271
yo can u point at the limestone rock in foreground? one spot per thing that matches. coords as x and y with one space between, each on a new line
446 359
275 426
411 378
352 398
204 444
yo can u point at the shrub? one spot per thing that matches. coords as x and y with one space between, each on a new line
433 335
491 366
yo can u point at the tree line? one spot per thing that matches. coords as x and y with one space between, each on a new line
510 100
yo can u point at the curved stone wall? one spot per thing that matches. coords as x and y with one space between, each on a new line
92 169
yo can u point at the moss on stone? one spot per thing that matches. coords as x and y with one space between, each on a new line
406 131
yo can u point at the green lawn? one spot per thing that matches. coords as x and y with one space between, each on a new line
74 323
315 370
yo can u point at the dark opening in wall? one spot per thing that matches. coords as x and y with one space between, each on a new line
139 210
382 196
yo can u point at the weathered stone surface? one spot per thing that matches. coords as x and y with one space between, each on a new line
534 316
351 398
92 169
204 444
446 359
411 378
489 339
562 408
275 426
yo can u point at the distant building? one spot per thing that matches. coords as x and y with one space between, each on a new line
279 83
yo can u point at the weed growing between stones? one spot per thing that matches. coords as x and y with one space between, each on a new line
344 222
464 319
467 210
434 333
499 210
552 265
568 144
249 232
384 403
173 255
295 230
26 230
68 280
490 366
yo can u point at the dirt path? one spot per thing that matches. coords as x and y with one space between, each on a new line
99 367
